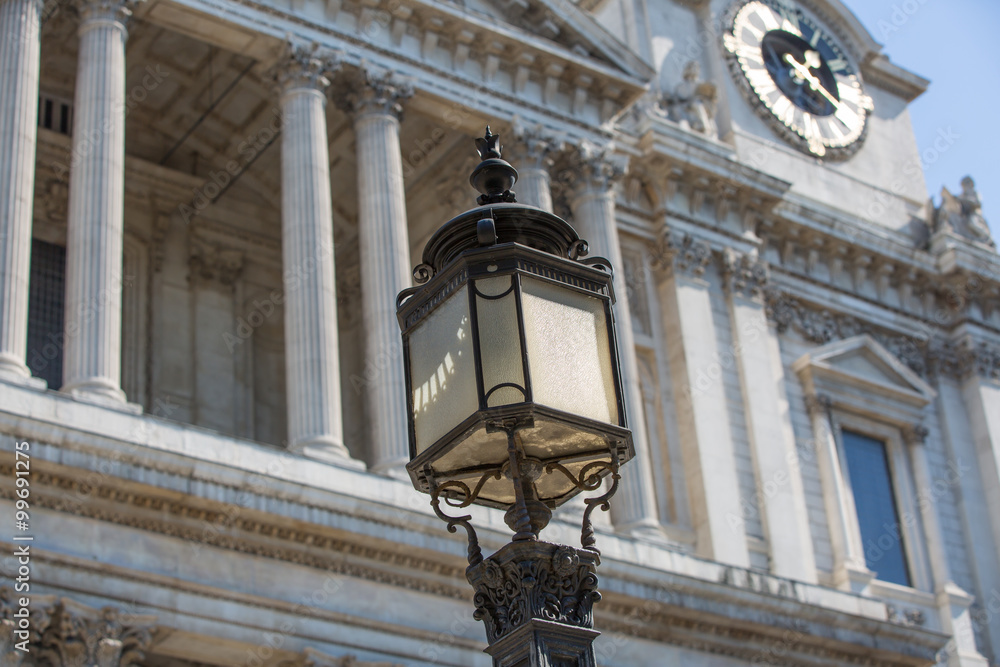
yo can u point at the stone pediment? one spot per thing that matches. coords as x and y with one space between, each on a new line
862 374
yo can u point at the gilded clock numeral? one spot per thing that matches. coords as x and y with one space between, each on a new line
837 65
789 21
769 18
814 40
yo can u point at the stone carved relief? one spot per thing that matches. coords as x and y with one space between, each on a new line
533 147
962 214
119 11
925 354
539 580
320 544
371 90
210 261
64 633
591 167
692 103
680 252
744 274
54 200
305 66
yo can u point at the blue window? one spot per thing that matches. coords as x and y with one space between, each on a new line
875 502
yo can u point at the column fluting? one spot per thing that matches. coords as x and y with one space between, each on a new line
20 48
312 354
92 363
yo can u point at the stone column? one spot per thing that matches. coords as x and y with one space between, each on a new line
531 154
850 571
953 602
20 48
781 494
383 237
312 353
593 205
702 413
92 363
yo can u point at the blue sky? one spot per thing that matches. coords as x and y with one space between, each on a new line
954 44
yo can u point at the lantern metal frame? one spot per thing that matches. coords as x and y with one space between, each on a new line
590 277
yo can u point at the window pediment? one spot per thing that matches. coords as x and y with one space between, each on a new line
861 375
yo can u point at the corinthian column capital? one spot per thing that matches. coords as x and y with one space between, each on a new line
744 274
373 91
533 146
104 12
305 66
594 168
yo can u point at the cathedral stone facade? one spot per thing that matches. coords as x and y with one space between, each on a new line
208 207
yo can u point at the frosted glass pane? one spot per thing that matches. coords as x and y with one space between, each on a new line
568 355
499 341
442 370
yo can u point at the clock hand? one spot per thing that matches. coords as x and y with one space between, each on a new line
806 73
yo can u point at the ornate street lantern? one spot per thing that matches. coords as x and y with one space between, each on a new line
515 397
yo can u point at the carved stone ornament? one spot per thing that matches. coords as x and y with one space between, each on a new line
924 354
744 274
105 11
64 633
692 103
534 580
962 214
209 261
370 90
534 145
592 168
681 253
305 66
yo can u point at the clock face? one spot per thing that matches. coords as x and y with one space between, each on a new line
801 80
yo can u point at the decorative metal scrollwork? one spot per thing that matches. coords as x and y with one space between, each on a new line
422 273
589 479
457 494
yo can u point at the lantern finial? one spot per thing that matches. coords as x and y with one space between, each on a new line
494 177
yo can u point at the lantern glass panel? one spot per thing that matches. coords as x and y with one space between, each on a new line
499 341
569 355
442 370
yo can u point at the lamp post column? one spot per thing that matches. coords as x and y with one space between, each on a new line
383 237
593 205
315 425
95 226
20 25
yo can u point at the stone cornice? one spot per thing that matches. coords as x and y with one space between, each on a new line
211 524
488 59
926 353
879 71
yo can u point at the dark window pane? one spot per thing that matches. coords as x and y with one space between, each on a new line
871 482
45 311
